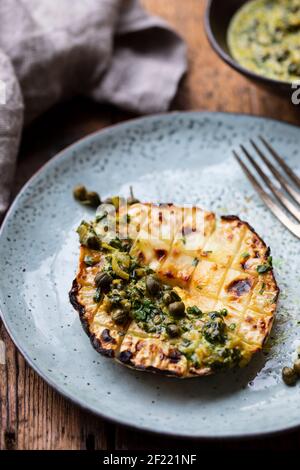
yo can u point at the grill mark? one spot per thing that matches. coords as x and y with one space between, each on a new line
125 356
160 254
174 356
106 337
239 287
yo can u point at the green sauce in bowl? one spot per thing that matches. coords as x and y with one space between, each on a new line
264 37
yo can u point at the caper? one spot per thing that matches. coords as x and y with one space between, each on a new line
126 304
281 56
92 199
103 280
167 298
294 68
88 198
289 376
153 286
173 330
177 309
175 297
119 316
79 192
93 242
297 367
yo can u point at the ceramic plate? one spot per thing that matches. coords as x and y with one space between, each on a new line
180 157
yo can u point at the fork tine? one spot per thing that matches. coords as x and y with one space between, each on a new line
284 219
281 162
284 183
281 198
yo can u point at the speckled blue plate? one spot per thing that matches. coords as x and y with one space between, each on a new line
180 157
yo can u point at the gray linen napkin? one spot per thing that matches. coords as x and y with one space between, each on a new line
50 50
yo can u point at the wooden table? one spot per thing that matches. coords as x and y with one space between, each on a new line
33 416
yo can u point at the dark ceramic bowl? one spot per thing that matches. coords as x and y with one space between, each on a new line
217 20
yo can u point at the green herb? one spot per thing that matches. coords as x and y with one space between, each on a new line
98 295
88 236
122 245
89 260
263 286
85 197
194 311
266 267
195 262
142 310
195 361
214 328
245 255
223 357
232 326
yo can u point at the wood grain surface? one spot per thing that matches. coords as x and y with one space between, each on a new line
32 415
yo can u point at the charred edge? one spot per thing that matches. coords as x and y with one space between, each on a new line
125 357
81 310
231 218
77 306
156 370
96 343
269 329
196 372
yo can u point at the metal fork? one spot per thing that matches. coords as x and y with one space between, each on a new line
285 195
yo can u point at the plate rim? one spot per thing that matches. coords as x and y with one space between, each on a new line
51 382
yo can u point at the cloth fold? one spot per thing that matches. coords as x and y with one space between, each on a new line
110 50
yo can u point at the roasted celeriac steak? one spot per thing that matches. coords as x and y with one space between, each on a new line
172 289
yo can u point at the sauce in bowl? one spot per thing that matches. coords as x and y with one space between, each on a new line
264 37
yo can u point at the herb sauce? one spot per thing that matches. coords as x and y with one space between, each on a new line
264 37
